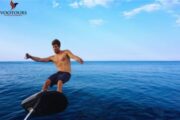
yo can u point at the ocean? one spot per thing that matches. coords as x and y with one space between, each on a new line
97 90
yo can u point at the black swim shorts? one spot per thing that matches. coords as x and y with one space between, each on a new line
63 76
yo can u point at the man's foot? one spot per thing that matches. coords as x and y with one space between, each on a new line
59 91
43 90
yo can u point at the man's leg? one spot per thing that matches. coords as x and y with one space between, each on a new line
46 85
59 86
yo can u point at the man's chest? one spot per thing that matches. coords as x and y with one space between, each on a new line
60 58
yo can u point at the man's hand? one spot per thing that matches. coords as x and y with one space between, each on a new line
27 56
80 61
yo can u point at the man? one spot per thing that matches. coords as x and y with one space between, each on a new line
62 61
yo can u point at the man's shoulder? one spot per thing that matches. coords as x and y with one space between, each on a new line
66 51
51 56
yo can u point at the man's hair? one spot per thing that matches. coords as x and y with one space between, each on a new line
56 42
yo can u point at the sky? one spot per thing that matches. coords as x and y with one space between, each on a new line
95 30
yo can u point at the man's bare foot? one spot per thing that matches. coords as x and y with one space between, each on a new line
43 90
59 91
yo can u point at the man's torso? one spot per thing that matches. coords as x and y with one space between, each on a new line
62 61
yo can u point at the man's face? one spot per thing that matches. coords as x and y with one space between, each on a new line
56 48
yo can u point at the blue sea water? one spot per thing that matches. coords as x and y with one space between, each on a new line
97 90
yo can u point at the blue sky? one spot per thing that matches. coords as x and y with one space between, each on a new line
93 29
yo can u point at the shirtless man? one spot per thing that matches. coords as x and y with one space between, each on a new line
62 61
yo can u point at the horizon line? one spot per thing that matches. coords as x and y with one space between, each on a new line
101 61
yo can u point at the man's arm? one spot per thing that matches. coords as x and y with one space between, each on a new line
71 55
37 59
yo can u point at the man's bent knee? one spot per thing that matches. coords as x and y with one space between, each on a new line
48 82
46 85
60 82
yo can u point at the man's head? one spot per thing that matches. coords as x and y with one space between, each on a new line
56 45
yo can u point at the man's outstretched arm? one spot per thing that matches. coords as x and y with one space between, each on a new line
37 59
71 55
